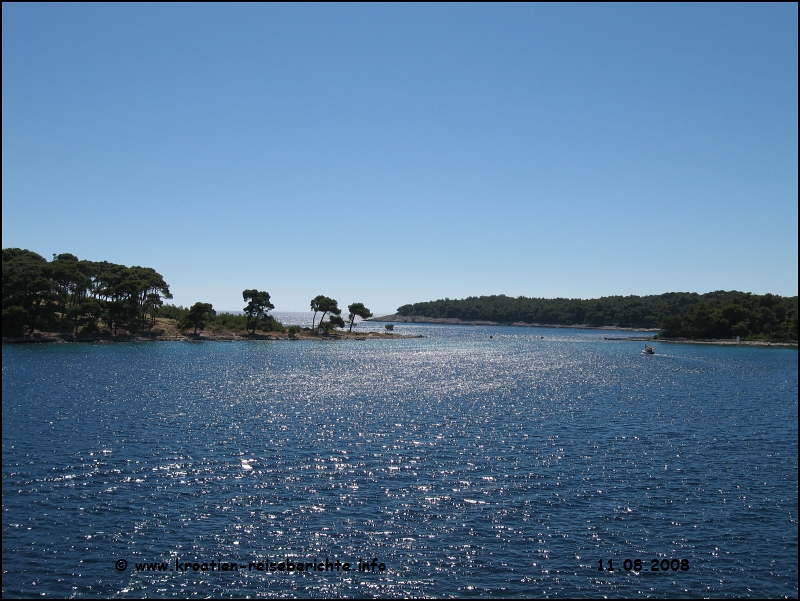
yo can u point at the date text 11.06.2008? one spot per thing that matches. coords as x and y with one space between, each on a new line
637 565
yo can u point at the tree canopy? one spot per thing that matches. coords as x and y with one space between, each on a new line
67 293
198 315
325 305
357 310
334 321
258 306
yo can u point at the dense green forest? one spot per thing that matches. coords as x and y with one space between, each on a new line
680 314
72 295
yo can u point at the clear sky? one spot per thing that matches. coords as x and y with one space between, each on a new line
390 154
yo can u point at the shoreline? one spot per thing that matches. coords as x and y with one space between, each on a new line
168 330
176 336
452 321
521 324
714 341
55 338
729 342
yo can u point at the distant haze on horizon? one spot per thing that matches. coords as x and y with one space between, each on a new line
393 154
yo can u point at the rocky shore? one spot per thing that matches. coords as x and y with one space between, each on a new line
49 337
166 330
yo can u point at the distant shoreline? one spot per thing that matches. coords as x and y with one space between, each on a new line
452 321
716 342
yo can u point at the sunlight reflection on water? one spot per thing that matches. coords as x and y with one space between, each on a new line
469 465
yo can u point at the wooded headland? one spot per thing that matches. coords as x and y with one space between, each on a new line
714 315
72 299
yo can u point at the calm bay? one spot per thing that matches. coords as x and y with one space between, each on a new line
472 462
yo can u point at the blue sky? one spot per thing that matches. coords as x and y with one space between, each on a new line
400 153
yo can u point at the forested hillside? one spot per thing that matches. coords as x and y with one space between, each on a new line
680 314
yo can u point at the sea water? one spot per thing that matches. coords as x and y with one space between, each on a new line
472 462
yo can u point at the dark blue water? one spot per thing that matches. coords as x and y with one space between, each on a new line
467 465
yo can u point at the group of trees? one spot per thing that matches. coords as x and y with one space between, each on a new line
680 314
329 306
72 295
256 315
326 306
68 294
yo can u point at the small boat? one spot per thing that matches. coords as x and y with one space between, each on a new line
648 350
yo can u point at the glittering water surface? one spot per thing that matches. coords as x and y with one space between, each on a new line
473 462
